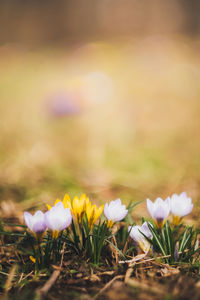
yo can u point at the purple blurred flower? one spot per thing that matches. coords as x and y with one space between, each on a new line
35 223
58 218
62 105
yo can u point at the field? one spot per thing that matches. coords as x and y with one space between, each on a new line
130 131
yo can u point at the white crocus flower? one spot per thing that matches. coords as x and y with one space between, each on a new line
36 223
58 218
159 210
114 212
136 234
181 205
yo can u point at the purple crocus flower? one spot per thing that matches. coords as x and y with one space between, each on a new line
115 211
136 234
63 105
159 210
58 218
36 223
181 206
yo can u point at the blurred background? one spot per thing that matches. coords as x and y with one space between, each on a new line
100 97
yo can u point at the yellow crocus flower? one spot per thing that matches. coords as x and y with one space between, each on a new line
93 213
79 207
66 202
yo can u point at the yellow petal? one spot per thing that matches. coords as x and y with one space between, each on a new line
145 246
176 220
110 223
55 234
48 206
57 200
79 207
67 201
91 219
89 210
32 259
93 213
160 224
87 202
83 197
100 210
67 198
75 205
84 200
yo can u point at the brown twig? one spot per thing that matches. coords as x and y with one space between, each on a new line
21 277
141 256
7 274
115 251
12 274
107 286
49 283
110 273
128 273
29 274
133 260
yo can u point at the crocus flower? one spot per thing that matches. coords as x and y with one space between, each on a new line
66 202
77 205
93 213
181 205
136 234
63 105
35 223
58 218
159 210
114 212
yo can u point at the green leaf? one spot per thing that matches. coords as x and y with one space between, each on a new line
184 238
157 239
170 241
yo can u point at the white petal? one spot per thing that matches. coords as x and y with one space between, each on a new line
58 218
27 219
145 229
181 205
150 207
115 211
106 211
